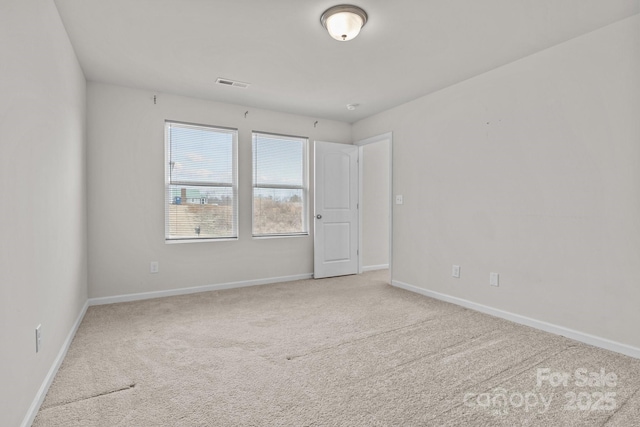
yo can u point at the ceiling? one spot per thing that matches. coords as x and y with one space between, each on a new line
409 48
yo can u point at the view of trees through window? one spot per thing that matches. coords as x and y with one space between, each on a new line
197 212
279 185
277 213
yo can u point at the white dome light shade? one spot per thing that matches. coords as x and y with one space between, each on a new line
343 22
344 26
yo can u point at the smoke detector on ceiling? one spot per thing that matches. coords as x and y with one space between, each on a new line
233 83
352 107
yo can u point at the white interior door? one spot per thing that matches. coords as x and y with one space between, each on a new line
336 210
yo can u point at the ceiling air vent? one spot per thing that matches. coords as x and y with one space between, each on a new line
227 82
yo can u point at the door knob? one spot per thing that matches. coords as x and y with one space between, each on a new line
319 216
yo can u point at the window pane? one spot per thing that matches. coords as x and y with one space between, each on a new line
200 212
200 155
201 189
277 211
278 161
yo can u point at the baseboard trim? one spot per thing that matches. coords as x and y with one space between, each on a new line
375 267
194 290
527 321
44 388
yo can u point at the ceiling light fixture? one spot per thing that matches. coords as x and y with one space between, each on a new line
343 22
352 107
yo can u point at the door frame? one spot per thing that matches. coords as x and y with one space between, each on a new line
361 143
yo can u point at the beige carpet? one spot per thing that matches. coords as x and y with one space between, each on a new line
349 351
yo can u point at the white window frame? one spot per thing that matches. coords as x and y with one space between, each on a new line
168 183
304 187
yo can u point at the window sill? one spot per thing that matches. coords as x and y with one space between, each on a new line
279 236
181 241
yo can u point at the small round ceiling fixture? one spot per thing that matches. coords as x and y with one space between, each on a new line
352 107
344 22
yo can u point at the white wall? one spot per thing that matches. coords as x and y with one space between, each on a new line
375 204
43 214
126 195
532 171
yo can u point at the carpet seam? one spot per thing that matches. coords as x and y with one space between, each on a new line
106 393
620 408
506 379
368 337
431 354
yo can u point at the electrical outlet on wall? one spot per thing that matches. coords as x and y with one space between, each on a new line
38 338
455 271
494 279
154 267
